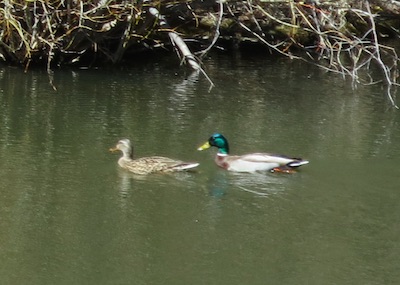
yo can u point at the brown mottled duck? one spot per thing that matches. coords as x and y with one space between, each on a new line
147 165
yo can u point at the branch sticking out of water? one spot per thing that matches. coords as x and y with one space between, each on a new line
180 46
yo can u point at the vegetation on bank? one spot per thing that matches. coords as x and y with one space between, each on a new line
344 37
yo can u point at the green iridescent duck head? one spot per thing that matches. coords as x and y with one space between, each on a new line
219 141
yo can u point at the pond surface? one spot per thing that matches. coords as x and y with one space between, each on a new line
69 215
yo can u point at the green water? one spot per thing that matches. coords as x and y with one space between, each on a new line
68 215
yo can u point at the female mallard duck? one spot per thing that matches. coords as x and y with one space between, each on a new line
250 162
147 165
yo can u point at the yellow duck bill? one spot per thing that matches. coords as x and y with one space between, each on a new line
204 146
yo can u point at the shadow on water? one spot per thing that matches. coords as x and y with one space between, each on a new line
256 184
128 182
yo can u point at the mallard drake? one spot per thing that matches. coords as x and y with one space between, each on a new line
147 165
250 162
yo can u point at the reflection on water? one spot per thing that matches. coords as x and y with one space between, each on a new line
69 215
265 183
259 184
129 181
